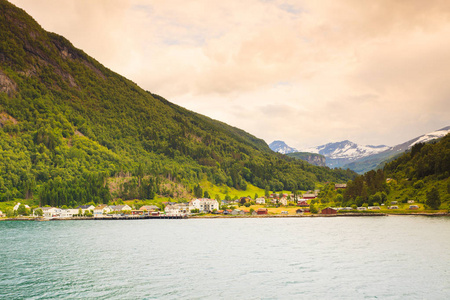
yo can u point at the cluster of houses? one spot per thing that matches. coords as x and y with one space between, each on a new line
98 211
103 210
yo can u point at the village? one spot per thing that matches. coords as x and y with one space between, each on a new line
274 205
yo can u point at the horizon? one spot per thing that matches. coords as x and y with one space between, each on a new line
278 70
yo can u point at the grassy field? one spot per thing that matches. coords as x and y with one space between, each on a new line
272 210
222 191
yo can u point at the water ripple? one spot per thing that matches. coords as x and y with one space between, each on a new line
369 258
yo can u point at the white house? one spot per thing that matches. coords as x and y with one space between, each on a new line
260 200
85 208
101 209
149 207
120 207
204 205
283 201
177 209
68 213
1 213
49 212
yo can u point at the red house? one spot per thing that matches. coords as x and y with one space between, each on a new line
261 211
309 196
302 203
328 211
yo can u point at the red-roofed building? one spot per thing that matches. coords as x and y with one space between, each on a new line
328 211
262 211
302 203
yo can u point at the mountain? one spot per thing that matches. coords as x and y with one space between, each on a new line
281 147
312 158
420 174
349 155
378 160
72 131
341 153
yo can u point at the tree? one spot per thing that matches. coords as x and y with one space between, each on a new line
22 210
9 213
140 174
267 192
339 198
38 212
198 192
256 196
313 209
433 198
206 195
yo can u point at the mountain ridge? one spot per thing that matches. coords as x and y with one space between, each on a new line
359 158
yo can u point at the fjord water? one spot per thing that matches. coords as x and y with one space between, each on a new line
391 257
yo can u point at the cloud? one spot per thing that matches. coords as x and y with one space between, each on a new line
372 72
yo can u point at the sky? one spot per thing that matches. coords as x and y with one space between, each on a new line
305 72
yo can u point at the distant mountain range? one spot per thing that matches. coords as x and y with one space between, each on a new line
358 158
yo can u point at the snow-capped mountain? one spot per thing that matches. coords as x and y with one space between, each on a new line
341 153
281 147
361 159
378 160
426 138
346 149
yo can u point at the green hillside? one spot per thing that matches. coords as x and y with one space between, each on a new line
72 131
416 175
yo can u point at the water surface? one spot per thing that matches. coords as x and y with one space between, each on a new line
395 257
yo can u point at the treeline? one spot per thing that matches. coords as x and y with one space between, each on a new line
369 188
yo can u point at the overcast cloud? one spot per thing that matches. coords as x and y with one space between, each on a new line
306 72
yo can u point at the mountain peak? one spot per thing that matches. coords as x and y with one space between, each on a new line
281 147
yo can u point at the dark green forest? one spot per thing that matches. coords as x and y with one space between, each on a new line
421 174
68 124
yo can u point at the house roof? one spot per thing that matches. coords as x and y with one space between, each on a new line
100 206
308 195
329 208
149 207
84 206
340 185
46 208
119 207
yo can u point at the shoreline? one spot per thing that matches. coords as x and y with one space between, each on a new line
231 217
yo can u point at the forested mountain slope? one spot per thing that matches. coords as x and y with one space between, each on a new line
68 124
422 171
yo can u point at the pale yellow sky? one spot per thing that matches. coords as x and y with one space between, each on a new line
306 72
